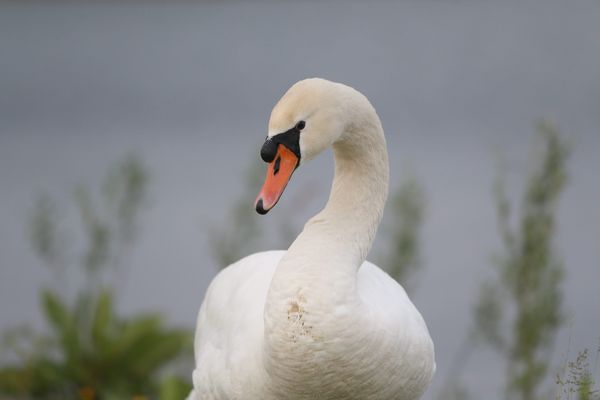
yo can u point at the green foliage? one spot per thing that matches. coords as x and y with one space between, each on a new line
231 242
106 355
246 234
44 235
174 388
125 190
528 285
577 381
111 228
402 229
488 316
89 351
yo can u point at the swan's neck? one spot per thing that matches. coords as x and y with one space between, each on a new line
358 195
313 296
336 240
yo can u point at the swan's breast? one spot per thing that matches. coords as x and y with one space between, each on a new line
229 332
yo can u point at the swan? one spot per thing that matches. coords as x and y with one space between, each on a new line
316 321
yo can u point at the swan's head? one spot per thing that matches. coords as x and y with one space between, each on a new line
306 120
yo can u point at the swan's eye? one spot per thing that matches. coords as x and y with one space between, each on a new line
300 125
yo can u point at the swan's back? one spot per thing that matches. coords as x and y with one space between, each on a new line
413 366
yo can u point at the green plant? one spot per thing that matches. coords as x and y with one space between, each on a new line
98 353
402 228
89 351
519 312
231 242
577 379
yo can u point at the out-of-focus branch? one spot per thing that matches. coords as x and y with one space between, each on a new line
402 230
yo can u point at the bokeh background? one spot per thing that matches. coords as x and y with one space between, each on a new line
187 88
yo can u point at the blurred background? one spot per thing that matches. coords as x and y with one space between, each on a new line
129 162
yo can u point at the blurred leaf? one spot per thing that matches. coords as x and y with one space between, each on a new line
102 321
402 225
56 312
488 316
45 237
97 232
125 189
174 388
233 241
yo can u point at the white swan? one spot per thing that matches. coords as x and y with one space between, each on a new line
316 321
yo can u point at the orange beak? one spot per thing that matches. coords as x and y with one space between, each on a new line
279 172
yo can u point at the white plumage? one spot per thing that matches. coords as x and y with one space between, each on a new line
318 321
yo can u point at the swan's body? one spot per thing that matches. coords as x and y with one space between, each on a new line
317 321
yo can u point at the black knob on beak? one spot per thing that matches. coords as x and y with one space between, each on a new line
268 150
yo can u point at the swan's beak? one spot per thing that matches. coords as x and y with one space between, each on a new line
279 172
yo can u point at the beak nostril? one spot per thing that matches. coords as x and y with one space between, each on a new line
277 165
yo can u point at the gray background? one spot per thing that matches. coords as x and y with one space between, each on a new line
190 87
